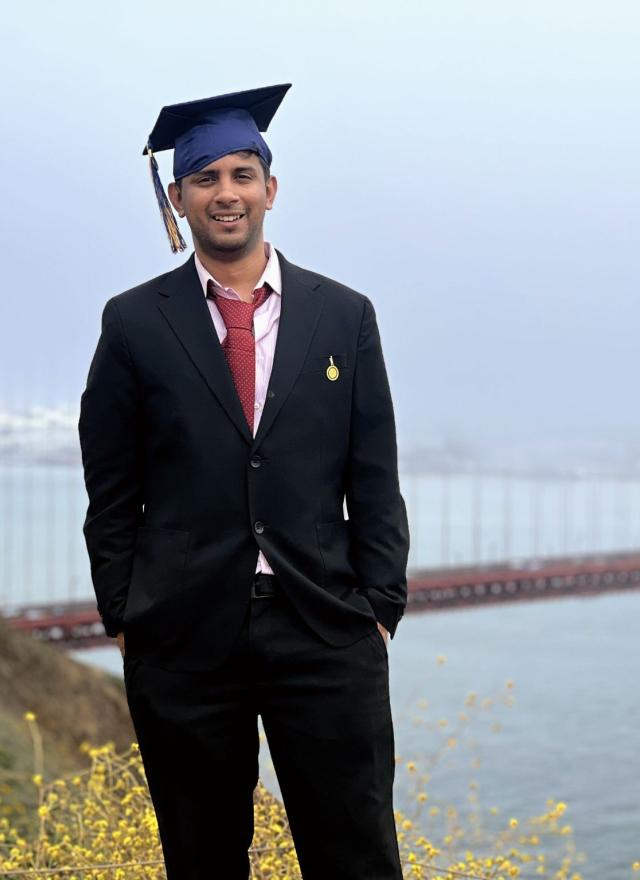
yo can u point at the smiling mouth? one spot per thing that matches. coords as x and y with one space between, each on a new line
227 218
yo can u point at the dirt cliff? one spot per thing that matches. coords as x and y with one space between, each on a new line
73 703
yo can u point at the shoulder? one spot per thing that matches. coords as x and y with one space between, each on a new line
136 302
338 293
138 295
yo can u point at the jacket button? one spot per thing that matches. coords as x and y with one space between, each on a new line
259 527
255 461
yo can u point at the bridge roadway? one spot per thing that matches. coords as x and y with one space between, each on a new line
77 624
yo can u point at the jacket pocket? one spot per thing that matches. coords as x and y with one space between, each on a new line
158 566
334 545
318 363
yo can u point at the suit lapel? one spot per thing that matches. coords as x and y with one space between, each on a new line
184 305
300 308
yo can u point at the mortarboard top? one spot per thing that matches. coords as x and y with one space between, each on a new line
203 131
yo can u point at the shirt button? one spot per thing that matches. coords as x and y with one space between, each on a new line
255 461
256 405
259 527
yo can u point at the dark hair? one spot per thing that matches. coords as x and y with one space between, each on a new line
265 168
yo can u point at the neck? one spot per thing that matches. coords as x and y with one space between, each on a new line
239 272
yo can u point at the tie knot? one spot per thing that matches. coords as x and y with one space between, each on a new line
237 312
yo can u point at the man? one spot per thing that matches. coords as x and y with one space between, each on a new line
231 407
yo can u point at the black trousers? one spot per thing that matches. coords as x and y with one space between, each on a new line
327 718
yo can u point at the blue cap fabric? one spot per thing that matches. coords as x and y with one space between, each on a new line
203 131
227 131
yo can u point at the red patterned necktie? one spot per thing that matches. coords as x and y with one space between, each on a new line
239 343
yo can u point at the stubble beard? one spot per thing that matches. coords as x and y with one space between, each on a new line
223 246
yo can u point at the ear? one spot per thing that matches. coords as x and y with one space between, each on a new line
272 189
175 195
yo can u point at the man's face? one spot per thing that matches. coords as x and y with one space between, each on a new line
225 203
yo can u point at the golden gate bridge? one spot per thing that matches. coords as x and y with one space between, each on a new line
77 624
479 537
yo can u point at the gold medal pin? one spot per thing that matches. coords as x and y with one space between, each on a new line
332 371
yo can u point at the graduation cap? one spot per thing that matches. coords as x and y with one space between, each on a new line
200 132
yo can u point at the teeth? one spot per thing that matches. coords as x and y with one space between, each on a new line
227 219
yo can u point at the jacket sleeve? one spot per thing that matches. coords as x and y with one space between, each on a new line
377 513
110 442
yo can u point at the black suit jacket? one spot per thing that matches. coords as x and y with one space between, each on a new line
181 496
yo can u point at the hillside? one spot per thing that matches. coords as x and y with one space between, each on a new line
73 703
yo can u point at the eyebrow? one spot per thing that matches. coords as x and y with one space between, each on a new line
235 170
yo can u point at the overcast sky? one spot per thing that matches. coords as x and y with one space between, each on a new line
471 166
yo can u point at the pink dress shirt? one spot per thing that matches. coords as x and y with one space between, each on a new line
265 323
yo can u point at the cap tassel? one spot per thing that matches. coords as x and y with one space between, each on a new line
176 240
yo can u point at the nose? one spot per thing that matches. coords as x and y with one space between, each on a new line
225 193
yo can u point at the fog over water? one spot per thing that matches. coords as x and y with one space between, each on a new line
470 167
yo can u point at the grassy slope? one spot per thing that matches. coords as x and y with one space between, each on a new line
73 703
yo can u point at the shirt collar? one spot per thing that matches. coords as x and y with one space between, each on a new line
272 273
